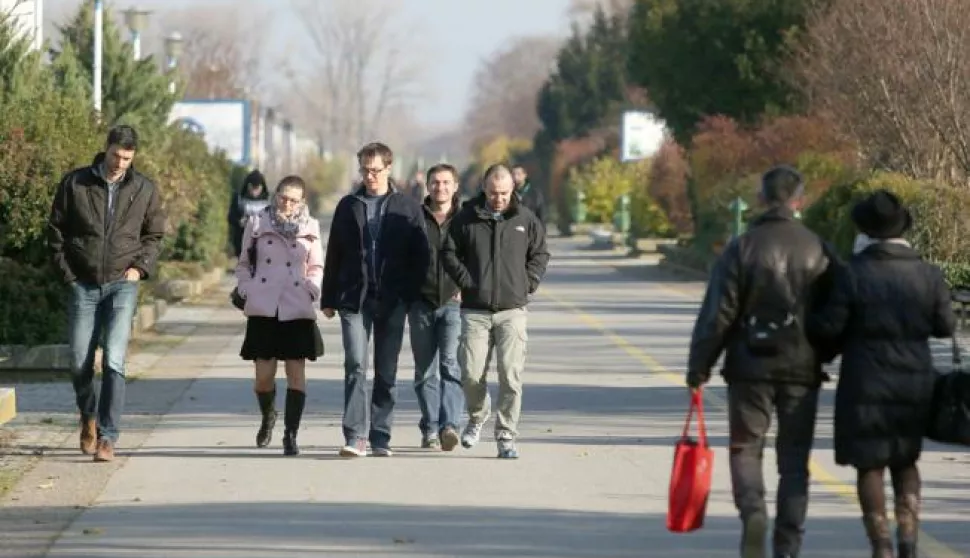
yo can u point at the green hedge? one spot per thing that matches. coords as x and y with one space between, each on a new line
34 308
940 226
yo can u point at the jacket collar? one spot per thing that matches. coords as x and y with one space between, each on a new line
97 168
889 251
392 188
455 206
774 214
480 205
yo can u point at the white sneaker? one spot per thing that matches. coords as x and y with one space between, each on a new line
471 435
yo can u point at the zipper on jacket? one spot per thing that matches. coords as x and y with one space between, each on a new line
492 301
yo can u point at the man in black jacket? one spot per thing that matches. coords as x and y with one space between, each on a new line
105 227
763 287
435 322
496 253
377 259
529 195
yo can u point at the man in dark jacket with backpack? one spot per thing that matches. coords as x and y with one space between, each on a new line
377 259
763 287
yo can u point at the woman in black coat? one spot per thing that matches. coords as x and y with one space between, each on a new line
252 198
885 306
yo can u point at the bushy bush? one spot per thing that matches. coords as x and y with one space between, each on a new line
603 181
668 185
34 308
940 218
727 160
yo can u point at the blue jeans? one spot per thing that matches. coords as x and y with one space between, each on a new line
356 329
437 378
101 314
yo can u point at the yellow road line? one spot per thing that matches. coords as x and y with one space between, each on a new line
928 544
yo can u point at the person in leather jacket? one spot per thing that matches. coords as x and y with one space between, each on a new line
763 287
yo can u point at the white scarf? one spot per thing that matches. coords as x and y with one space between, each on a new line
863 241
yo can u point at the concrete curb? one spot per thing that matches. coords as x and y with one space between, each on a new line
8 405
57 357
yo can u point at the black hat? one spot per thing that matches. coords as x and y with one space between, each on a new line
881 215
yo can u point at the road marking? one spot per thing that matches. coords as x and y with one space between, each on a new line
928 544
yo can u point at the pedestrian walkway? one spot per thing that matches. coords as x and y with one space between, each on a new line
603 404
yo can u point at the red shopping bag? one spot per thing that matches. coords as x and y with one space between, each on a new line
690 479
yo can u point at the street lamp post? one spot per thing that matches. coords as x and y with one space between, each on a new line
98 46
136 20
173 49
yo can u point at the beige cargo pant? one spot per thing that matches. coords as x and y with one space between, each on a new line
507 330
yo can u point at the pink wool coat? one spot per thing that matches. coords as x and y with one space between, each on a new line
288 275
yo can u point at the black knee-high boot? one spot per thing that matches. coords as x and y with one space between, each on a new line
267 406
295 401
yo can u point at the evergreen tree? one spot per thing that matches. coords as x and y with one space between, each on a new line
133 91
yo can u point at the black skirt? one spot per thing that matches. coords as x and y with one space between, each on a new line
269 338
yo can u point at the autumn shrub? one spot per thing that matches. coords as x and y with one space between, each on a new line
726 161
667 185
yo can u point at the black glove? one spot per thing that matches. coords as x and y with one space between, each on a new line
695 380
237 299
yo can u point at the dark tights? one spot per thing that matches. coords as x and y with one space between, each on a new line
871 488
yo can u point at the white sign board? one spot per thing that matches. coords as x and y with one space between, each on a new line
224 124
641 136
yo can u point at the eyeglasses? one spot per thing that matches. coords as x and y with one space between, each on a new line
373 172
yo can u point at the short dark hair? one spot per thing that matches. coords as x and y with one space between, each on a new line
781 184
376 149
292 181
123 136
441 167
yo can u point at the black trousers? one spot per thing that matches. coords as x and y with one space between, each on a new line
750 408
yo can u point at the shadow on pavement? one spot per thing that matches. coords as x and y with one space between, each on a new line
266 528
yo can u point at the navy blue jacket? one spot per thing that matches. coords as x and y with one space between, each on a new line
403 253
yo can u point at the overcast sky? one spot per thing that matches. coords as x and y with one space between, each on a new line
457 34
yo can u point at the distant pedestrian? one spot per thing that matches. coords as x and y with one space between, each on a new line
496 253
253 197
279 274
763 288
377 260
883 311
106 225
435 323
530 195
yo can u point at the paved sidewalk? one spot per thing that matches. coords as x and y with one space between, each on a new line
603 405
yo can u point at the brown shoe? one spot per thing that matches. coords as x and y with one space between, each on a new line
89 436
105 452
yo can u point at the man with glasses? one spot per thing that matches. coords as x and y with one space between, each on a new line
377 259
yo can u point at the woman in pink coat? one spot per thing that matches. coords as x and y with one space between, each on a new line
279 275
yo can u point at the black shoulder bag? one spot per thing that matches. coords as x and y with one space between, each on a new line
950 413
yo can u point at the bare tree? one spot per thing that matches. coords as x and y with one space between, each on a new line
895 74
223 55
357 71
505 87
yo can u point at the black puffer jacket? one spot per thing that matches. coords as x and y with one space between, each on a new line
497 263
883 310
90 248
777 264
